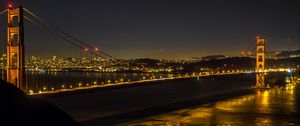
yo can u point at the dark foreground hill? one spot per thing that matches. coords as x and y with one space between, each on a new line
17 108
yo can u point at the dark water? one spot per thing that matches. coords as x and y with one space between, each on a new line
95 106
278 106
103 103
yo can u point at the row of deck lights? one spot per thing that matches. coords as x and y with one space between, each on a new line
121 81
80 85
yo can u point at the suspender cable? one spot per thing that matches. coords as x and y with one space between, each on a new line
58 35
68 35
3 11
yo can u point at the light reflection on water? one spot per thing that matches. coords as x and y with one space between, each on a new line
265 107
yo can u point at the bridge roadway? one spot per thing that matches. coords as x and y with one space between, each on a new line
194 75
65 90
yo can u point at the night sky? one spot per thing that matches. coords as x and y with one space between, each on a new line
165 28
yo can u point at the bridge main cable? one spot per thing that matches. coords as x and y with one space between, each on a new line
68 35
3 11
57 35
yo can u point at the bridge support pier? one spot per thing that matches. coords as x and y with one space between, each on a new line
260 63
15 48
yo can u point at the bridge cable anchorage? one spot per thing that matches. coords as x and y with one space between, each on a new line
95 50
59 36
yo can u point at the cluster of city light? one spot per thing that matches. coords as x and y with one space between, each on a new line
54 64
278 70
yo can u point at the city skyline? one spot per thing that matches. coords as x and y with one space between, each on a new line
168 30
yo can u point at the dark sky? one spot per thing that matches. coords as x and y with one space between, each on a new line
167 28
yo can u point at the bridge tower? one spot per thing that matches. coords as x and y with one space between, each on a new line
260 62
15 48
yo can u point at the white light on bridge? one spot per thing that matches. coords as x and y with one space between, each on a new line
30 92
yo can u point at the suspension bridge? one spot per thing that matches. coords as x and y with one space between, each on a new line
19 68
